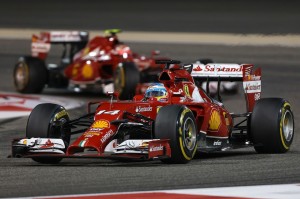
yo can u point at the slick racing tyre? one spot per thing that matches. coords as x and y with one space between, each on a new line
30 75
126 78
177 123
272 126
46 121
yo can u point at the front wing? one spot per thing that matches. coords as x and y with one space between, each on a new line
129 149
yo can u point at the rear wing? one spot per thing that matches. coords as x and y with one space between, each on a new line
232 72
215 71
41 44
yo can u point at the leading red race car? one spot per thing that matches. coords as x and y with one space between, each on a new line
85 64
172 121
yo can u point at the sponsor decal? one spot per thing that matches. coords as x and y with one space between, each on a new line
48 144
107 135
90 133
37 47
156 148
139 109
64 36
60 115
101 124
214 121
218 68
252 86
186 90
217 143
43 143
87 71
177 92
198 68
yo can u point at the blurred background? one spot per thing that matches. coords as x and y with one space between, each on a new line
231 16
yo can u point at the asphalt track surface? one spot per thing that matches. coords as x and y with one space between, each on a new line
281 74
23 177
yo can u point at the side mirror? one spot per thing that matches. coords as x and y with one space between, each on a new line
113 95
138 98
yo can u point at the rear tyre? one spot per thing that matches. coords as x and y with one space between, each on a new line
30 75
177 123
272 125
126 79
46 121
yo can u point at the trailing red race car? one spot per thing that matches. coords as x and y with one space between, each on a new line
85 64
171 121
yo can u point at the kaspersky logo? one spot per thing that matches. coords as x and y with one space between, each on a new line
156 148
139 109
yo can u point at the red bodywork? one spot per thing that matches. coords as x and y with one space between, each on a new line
211 117
94 61
214 123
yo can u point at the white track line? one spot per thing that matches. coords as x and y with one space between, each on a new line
284 191
289 40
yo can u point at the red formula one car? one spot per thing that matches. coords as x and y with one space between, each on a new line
171 121
85 64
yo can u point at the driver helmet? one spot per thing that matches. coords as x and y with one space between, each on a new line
157 91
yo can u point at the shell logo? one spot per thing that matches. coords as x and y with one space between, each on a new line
101 124
87 71
214 121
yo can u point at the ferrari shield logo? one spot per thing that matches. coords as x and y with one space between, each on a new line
186 90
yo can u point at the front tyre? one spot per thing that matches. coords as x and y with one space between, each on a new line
177 123
46 121
126 78
272 125
30 75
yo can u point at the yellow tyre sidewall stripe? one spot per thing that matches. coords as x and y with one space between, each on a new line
283 110
187 157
